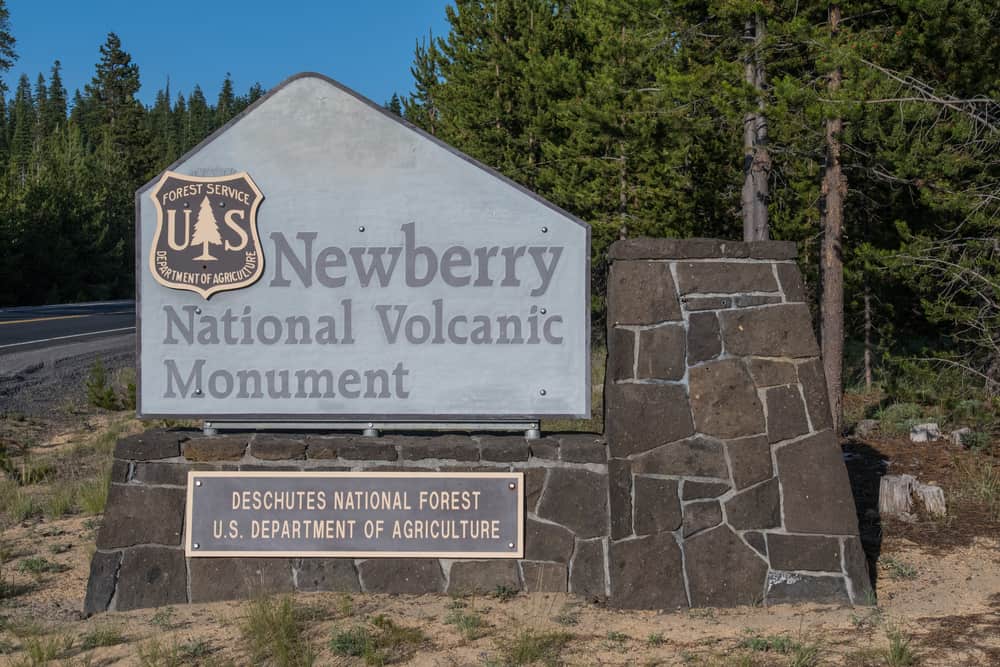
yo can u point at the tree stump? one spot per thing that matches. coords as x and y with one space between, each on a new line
896 493
932 498
895 496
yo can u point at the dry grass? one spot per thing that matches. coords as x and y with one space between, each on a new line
62 480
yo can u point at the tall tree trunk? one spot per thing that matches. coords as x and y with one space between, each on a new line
622 193
756 159
832 260
623 230
868 340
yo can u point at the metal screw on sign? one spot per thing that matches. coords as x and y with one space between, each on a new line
545 230
197 483
512 486
543 311
542 392
361 228
196 545
510 545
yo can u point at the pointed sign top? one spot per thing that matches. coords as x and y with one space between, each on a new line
357 268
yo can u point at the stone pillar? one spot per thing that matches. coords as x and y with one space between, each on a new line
727 484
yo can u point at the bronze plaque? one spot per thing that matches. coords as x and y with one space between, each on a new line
206 237
355 514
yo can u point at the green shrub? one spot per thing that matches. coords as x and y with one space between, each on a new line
16 503
897 419
8 589
60 501
195 650
975 413
768 643
899 653
155 654
100 391
977 441
898 569
980 482
354 642
381 642
470 625
93 494
568 615
43 650
126 379
34 473
102 635
504 593
164 618
536 646
37 566
6 465
805 655
274 633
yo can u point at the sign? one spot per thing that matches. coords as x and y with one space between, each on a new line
355 514
320 259
183 254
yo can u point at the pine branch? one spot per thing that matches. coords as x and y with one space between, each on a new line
982 110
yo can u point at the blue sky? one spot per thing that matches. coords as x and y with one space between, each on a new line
365 44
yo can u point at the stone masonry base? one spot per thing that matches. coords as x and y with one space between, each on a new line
140 555
718 482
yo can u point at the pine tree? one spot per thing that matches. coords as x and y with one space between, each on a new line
419 108
225 107
4 128
115 83
114 123
115 112
23 124
8 56
206 231
160 122
77 112
41 109
199 119
180 123
394 105
255 93
55 106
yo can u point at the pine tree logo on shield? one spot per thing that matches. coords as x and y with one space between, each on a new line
206 236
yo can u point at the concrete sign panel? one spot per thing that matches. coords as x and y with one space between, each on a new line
355 514
319 258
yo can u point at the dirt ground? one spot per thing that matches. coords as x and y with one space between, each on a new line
938 584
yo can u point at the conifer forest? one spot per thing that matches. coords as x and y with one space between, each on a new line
866 132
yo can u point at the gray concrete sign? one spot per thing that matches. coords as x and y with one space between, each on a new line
319 258
355 514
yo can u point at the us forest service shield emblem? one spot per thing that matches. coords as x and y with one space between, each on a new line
206 236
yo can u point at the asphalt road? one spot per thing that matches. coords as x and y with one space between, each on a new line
35 327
